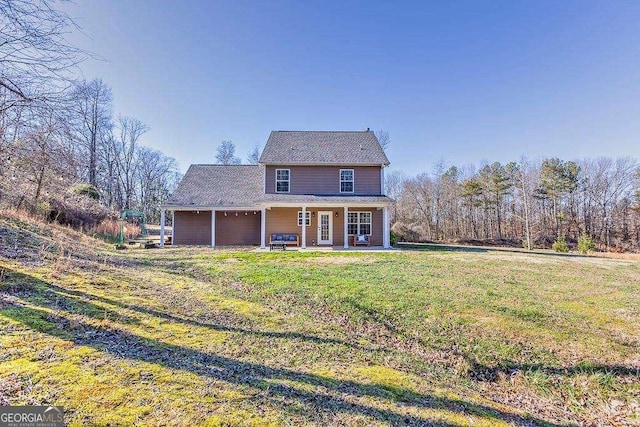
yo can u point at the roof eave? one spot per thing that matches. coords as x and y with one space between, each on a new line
280 163
179 207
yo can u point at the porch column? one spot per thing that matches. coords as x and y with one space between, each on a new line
213 228
173 227
385 228
346 227
304 227
162 228
263 227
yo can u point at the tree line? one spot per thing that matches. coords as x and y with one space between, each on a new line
532 203
63 151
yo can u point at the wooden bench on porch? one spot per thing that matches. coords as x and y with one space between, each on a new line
281 240
361 239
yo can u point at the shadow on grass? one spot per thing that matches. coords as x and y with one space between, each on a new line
30 306
481 372
64 292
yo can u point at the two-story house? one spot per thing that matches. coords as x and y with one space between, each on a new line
326 187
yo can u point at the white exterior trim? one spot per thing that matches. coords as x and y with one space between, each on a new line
353 181
263 227
382 190
346 227
217 208
370 221
292 204
276 181
162 220
330 241
385 229
326 205
304 228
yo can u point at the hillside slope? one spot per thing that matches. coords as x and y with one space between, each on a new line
219 337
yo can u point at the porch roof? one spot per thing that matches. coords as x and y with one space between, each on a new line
240 187
315 200
227 186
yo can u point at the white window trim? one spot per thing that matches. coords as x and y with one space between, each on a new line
358 222
353 180
282 180
308 218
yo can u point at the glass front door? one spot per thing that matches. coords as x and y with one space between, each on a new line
325 228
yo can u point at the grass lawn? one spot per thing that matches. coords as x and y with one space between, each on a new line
220 337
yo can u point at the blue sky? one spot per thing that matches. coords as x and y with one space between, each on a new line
462 81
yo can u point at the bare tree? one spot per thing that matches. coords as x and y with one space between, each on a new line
521 176
92 102
226 154
156 175
383 138
35 59
126 144
254 155
393 183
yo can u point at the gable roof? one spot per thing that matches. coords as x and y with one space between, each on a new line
219 185
323 148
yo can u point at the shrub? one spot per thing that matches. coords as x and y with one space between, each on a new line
560 245
87 190
43 209
394 239
585 244
77 211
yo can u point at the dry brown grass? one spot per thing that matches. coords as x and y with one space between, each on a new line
111 228
192 336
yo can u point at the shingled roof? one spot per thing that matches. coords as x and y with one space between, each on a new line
219 186
323 148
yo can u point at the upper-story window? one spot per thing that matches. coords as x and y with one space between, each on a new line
282 180
346 180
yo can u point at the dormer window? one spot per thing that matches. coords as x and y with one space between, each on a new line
346 180
282 180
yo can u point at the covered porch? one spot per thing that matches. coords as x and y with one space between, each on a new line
327 225
316 224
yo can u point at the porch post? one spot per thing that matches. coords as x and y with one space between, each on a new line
346 227
213 228
173 228
263 227
385 228
304 227
162 228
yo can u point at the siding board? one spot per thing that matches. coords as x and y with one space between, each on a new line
325 180
192 228
285 220
237 230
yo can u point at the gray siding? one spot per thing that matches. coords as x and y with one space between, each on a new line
325 180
